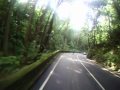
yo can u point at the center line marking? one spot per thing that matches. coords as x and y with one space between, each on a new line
48 77
92 75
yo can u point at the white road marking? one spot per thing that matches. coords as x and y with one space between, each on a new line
113 74
117 75
48 77
92 75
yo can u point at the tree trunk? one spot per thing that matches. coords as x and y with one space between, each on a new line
7 27
45 39
28 35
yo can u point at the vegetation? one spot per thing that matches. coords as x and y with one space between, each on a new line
104 36
29 29
20 72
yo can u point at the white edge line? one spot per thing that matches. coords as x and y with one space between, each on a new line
48 77
117 75
92 75
114 74
110 71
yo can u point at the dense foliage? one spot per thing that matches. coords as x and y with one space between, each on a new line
104 40
26 32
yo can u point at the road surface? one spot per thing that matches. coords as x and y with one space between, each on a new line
73 71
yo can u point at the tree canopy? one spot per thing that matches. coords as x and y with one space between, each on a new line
30 27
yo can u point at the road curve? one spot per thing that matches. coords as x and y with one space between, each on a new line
73 71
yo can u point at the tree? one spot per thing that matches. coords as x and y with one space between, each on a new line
7 29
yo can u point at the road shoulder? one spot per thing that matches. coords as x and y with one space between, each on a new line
115 73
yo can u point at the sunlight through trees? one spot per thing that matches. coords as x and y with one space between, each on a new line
29 28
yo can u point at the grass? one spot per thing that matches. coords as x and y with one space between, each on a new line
8 80
8 65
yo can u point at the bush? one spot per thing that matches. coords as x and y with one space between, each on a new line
112 58
96 54
99 56
91 53
9 60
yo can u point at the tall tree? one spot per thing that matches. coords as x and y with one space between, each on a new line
7 26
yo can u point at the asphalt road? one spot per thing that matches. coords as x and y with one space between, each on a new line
73 71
